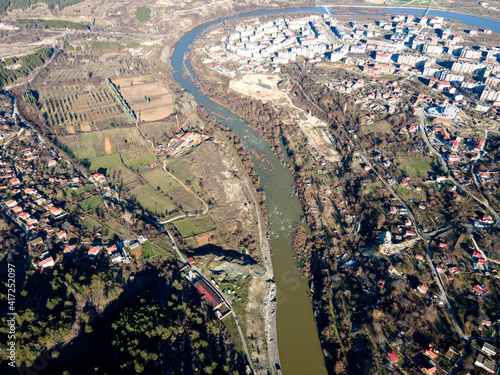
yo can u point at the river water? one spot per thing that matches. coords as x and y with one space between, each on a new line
298 341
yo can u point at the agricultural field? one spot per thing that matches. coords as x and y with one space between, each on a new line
153 202
161 181
54 77
141 161
83 112
206 169
108 162
189 228
158 178
181 169
149 99
110 149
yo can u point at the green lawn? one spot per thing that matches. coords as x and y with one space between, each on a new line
147 250
85 153
152 201
90 203
140 162
109 162
414 166
158 178
188 228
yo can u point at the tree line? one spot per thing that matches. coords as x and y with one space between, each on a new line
52 24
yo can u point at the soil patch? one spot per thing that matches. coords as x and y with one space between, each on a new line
149 101
108 145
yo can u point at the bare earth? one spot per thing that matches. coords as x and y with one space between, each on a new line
161 104
314 130
250 85
108 145
205 239
86 127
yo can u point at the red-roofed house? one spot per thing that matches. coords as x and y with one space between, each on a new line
111 249
443 245
409 233
47 262
393 357
56 211
69 249
11 203
94 250
430 353
481 289
99 178
423 288
61 235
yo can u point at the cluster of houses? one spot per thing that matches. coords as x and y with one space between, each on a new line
31 176
179 144
413 48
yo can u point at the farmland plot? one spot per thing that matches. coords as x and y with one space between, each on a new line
150 101
95 109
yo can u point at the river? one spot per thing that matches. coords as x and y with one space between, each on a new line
299 346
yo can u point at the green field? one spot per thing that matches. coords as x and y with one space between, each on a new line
378 127
75 193
90 203
108 162
152 201
414 166
147 250
158 178
163 247
86 140
85 153
90 223
180 168
115 228
143 14
107 133
140 162
188 228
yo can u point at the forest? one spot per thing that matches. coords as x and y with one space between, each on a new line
27 64
23 4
